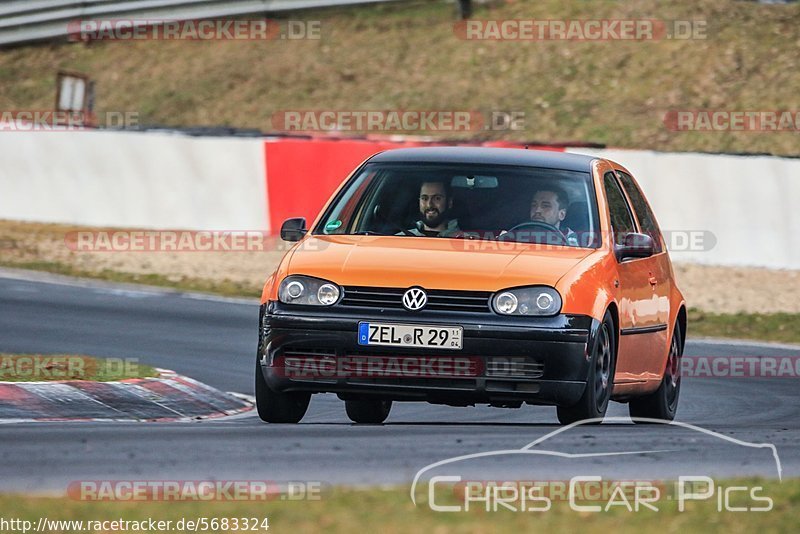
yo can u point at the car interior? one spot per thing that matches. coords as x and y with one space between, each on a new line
486 205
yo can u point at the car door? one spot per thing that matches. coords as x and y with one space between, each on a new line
658 267
640 331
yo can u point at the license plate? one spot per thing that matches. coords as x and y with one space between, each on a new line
410 335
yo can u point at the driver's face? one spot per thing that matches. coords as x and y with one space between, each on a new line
545 208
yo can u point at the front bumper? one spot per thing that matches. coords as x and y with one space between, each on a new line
556 348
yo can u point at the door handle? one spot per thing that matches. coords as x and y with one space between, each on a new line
653 281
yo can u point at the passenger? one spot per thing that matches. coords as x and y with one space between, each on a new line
435 205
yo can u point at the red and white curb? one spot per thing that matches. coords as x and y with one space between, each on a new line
168 397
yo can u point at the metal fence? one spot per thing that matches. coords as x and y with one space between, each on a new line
23 21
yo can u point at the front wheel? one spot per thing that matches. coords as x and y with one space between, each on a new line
594 401
662 404
274 407
368 410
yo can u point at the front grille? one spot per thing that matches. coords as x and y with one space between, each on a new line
466 384
331 353
438 299
514 368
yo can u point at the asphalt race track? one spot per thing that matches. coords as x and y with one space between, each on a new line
213 340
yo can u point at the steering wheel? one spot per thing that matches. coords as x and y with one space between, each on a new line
535 224
377 212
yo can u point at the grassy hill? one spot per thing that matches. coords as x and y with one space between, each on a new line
407 56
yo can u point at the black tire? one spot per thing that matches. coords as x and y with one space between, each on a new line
662 404
600 382
274 407
369 411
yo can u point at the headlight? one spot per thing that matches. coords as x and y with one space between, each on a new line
536 300
308 291
506 303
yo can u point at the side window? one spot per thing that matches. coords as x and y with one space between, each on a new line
621 220
646 219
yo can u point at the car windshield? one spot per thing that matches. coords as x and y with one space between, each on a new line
505 203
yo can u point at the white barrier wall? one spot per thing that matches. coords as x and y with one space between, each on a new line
128 179
163 180
749 203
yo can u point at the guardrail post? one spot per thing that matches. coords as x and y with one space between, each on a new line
464 9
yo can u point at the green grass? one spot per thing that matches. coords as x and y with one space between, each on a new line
406 56
779 327
391 510
222 287
51 367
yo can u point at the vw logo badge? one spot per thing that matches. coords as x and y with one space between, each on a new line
415 299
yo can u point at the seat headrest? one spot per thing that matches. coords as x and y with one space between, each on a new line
577 218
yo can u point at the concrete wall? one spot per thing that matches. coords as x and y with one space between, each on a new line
748 203
152 180
743 207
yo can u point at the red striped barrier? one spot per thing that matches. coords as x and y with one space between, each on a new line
303 173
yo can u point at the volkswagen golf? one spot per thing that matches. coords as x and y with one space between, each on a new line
464 276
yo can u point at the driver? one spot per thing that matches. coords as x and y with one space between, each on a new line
549 205
435 205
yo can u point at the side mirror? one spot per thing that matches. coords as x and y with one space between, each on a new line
293 229
635 246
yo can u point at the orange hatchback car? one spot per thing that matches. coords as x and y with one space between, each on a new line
475 275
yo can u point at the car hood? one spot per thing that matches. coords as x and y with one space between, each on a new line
434 263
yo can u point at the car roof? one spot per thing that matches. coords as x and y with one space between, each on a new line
549 159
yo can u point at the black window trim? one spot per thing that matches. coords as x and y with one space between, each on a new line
634 220
661 245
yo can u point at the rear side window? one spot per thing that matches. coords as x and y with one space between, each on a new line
646 219
621 220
